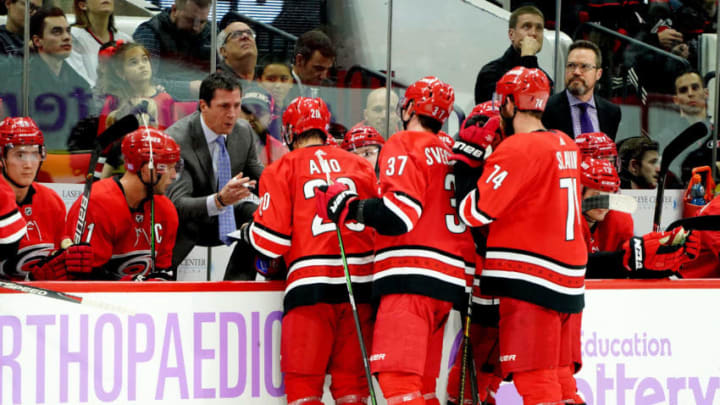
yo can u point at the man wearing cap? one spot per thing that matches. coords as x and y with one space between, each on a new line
257 107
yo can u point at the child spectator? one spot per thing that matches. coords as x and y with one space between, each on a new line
94 26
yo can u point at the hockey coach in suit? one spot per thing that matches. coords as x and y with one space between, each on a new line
210 187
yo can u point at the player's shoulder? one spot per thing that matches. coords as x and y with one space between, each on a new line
620 218
48 196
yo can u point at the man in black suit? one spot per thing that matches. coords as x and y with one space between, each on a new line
578 110
197 194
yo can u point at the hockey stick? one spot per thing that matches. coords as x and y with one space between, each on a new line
690 135
325 167
58 295
150 192
701 223
466 353
616 202
116 131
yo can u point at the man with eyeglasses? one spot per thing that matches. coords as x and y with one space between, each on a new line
11 33
578 110
179 39
237 51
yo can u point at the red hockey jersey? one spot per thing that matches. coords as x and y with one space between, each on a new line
12 224
119 236
609 234
44 212
528 194
286 224
707 264
417 185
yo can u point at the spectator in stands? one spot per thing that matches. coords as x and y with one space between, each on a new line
376 110
257 108
94 26
691 98
314 56
237 51
525 31
221 164
178 39
276 77
578 110
129 82
59 97
11 33
640 163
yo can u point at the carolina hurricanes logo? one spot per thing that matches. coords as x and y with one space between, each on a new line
19 267
136 262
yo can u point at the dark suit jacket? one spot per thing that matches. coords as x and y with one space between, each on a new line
197 180
557 115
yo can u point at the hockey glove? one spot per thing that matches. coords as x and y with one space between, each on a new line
157 275
333 201
692 246
78 258
268 267
50 268
657 251
473 141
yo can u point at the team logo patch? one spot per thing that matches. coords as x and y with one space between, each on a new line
139 218
28 211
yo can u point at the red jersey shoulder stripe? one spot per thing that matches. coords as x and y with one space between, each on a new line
268 242
469 212
12 227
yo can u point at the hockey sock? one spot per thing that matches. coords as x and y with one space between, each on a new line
538 386
569 385
401 388
302 389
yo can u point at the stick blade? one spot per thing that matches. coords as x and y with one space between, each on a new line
701 223
615 202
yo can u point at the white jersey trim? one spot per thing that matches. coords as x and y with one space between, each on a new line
486 301
533 280
419 271
319 280
328 261
421 253
476 214
263 234
269 236
534 260
399 213
14 237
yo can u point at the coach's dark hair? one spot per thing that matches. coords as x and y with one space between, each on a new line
583 44
214 81
37 21
312 41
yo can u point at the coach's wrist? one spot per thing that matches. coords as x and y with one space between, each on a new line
220 203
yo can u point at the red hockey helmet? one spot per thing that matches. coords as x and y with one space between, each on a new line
304 114
596 145
488 108
16 131
600 175
431 98
529 88
361 135
137 145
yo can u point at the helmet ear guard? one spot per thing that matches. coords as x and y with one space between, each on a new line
361 135
18 131
138 145
430 97
529 89
600 175
304 114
